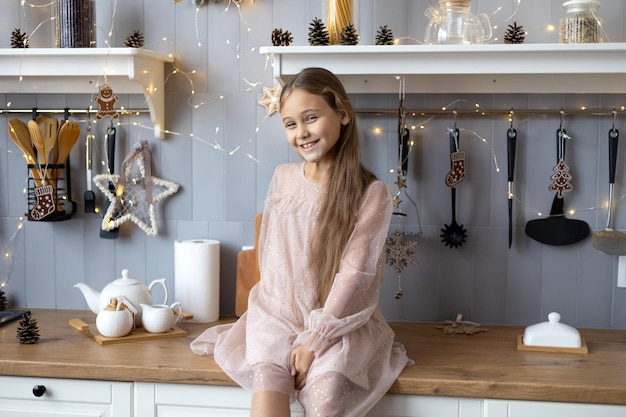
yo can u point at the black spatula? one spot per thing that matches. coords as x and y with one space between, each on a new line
89 197
110 147
558 230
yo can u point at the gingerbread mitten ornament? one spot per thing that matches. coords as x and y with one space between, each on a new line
457 163
45 202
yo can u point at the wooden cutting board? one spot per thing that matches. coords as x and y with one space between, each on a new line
248 273
134 336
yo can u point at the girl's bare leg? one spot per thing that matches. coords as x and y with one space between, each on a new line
270 404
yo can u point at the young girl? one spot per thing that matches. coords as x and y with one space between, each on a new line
313 325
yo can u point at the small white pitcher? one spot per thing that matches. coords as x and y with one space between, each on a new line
160 318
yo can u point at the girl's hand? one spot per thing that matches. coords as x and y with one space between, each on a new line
300 361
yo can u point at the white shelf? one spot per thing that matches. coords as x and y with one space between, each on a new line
491 68
83 70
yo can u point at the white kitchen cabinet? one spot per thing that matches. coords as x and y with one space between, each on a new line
421 406
64 397
506 408
462 69
178 400
83 70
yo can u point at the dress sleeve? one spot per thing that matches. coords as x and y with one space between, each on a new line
353 297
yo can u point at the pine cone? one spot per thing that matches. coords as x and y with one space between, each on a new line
384 36
349 35
318 34
277 35
514 34
287 38
19 39
3 301
280 38
135 40
27 331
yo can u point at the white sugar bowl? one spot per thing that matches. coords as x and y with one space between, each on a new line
117 319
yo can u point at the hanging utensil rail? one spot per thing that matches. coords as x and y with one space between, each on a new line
69 110
479 111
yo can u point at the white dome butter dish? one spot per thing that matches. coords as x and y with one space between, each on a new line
552 336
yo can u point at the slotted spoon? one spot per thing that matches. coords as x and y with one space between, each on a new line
454 234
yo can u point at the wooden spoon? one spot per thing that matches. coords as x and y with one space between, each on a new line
37 138
21 137
68 135
49 129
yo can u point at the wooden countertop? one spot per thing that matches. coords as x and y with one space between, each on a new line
483 365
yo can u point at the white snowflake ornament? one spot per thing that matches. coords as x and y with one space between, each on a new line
400 253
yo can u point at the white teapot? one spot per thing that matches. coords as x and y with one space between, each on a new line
133 290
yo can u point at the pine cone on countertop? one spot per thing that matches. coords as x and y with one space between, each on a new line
384 36
318 34
19 39
3 301
28 331
349 35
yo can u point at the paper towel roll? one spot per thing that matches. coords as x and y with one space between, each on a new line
197 278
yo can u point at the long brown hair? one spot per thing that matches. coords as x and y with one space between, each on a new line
348 179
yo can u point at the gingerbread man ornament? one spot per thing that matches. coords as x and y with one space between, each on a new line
106 103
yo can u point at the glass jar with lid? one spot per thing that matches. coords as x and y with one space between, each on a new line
453 23
582 23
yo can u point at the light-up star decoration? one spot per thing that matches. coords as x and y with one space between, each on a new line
137 192
271 99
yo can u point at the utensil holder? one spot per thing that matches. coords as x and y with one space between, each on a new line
56 186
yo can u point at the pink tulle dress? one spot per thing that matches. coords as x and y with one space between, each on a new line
356 358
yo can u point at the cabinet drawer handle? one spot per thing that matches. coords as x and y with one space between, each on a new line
39 390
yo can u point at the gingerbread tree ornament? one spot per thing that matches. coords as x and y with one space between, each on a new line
561 179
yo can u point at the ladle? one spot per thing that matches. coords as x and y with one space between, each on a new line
453 235
610 241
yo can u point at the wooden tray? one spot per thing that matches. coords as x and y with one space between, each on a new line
582 349
135 335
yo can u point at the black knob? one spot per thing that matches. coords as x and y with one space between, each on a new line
39 390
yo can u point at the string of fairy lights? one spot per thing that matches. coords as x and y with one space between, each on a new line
416 121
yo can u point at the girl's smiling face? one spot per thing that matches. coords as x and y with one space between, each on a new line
312 127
